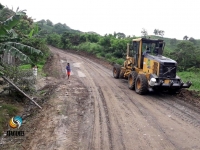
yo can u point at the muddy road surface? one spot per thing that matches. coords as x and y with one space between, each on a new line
98 112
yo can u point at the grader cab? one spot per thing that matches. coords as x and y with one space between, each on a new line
147 70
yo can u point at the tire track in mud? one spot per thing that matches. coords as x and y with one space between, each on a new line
174 108
78 135
119 127
104 105
101 114
107 118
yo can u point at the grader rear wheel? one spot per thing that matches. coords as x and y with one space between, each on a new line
121 74
141 85
116 71
131 80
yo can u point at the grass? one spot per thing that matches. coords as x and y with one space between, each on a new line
27 67
192 77
6 112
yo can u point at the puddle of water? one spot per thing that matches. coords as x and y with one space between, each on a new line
81 74
77 65
63 61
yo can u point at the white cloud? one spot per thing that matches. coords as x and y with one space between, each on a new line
177 18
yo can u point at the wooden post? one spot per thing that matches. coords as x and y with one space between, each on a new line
21 91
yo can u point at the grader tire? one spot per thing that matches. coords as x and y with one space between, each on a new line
121 74
141 84
116 71
131 80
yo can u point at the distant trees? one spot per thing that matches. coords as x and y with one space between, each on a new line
191 39
156 31
159 32
185 37
49 22
54 39
42 22
187 55
120 35
60 28
173 41
144 32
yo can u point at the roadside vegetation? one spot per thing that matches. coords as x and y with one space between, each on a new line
6 112
20 49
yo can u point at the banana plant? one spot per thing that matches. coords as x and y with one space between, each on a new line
7 35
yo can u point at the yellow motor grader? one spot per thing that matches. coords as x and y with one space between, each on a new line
147 70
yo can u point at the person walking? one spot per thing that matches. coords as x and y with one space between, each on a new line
68 70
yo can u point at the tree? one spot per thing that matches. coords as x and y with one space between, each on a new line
191 39
60 28
7 37
186 55
49 23
5 13
120 35
54 39
42 22
156 31
1 6
144 32
161 33
173 41
185 37
23 27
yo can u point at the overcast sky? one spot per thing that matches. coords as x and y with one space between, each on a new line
176 17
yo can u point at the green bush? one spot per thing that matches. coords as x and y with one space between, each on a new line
93 48
11 109
108 56
98 55
120 61
38 43
191 76
118 54
6 109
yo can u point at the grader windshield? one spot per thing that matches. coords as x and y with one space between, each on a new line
151 46
154 47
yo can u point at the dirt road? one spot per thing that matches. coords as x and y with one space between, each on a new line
95 111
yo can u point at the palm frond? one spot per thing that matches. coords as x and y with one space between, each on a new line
24 48
8 24
15 52
5 13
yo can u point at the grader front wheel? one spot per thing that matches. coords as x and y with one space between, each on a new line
141 85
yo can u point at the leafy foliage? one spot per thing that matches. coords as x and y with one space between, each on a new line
24 79
187 55
8 38
144 32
